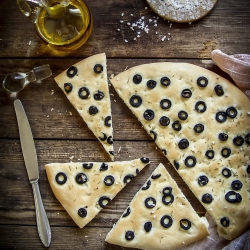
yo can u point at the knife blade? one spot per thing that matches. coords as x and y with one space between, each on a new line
31 163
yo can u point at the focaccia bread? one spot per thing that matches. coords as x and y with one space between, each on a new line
182 11
158 217
85 188
86 87
201 122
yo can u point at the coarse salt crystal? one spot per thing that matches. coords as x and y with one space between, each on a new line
126 41
163 38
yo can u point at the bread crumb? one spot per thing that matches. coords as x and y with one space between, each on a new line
112 76
51 109
119 150
70 113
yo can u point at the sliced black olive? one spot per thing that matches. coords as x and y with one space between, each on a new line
164 121
151 84
201 106
202 81
104 167
203 180
150 202
209 154
104 138
183 143
225 222
248 169
87 165
169 221
82 212
72 71
81 178
176 164
144 160
223 136
219 90
207 198
127 212
101 201
98 96
83 93
61 178
199 128
93 110
148 226
183 115
164 151
68 87
165 103
148 184
149 115
233 197
167 199
137 79
247 139
165 81
137 171
135 101
226 172
190 161
225 152
221 116
176 125
128 178
156 176
98 68
154 134
238 140
231 112
129 235
167 190
109 140
107 120
109 180
111 152
186 93
236 185
185 224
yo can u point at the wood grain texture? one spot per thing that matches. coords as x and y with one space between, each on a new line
226 27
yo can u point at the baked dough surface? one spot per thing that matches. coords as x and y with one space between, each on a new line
92 84
158 237
90 188
206 141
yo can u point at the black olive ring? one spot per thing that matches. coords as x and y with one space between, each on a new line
236 185
109 180
248 169
165 81
238 140
72 71
183 115
165 104
219 90
137 79
109 140
128 178
129 235
231 112
81 90
203 180
185 224
149 115
148 184
93 110
176 125
104 138
98 68
156 176
223 136
237 197
87 165
183 143
127 212
190 161
167 190
102 199
209 154
186 93
164 121
135 101
247 139
207 198
225 222
167 199
199 128
226 172
225 152
145 160
221 116
176 164
202 81
200 106
104 167
151 84
68 87
98 96
148 226
82 212
61 178
170 221
81 178
106 121
147 204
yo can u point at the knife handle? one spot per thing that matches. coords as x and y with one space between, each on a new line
43 226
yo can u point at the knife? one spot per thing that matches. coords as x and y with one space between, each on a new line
30 159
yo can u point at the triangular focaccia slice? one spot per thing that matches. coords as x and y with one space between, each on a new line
85 188
85 85
201 122
158 217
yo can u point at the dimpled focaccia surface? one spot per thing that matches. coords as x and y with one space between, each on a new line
84 188
87 90
142 227
203 129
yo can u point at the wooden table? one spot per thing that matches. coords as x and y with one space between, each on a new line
59 132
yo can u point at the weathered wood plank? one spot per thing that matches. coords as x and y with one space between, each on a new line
227 27
50 113
17 205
